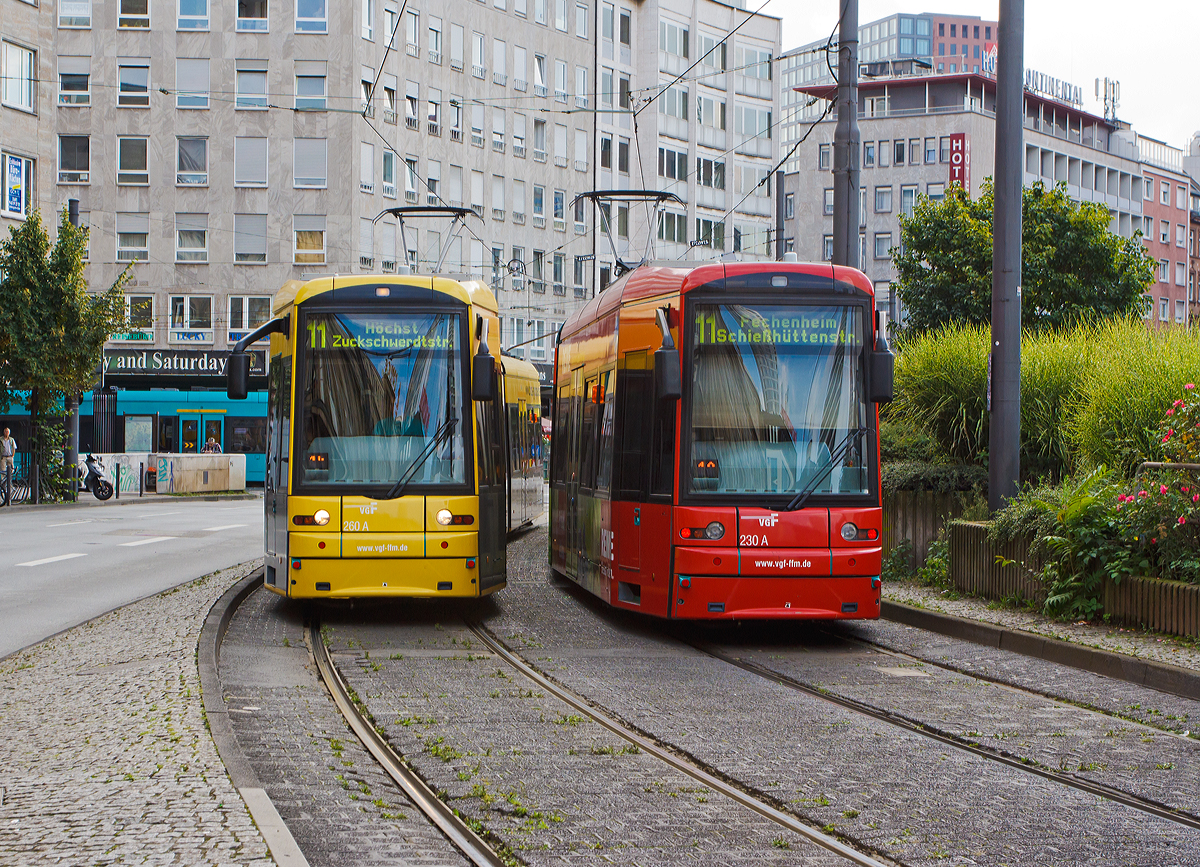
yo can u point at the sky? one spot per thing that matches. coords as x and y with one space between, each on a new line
1151 49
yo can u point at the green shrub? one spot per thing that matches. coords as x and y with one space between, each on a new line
895 564
943 478
1053 370
1180 427
935 571
901 440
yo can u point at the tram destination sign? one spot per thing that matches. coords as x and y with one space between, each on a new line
176 362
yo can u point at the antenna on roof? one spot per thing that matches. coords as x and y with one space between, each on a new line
457 224
600 197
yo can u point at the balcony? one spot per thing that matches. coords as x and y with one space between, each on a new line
538 286
435 57
581 228
388 265
499 78
410 196
561 162
498 145
539 156
432 198
498 214
367 109
365 187
520 84
581 102
456 65
478 209
435 128
410 121
581 165
581 292
519 151
539 90
455 134
560 225
477 137
389 190
478 71
539 221
518 217
560 96
560 289
389 116
412 49
366 262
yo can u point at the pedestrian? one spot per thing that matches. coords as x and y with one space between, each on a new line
212 447
8 452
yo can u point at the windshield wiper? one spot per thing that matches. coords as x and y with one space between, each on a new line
419 461
835 456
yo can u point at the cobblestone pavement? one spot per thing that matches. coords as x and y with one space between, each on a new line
916 800
339 805
1134 642
105 758
553 785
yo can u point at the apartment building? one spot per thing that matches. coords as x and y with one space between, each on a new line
921 133
930 41
228 147
711 137
1167 230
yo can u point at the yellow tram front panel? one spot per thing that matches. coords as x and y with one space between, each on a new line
464 508
364 515
304 544
348 577
374 546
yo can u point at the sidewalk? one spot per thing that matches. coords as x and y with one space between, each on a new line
86 500
1137 643
107 757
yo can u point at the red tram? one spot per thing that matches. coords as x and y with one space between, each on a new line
716 449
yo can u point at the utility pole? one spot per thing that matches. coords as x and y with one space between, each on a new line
72 399
1004 397
847 142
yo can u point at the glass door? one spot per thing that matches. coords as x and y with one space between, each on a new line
213 435
189 434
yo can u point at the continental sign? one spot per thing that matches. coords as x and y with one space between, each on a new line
174 362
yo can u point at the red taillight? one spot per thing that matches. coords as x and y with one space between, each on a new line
686 532
463 519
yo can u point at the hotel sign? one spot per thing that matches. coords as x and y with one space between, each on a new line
960 161
1055 88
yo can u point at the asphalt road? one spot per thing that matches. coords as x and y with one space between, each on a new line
60 567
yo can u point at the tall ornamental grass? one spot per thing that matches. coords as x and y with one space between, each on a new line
1091 395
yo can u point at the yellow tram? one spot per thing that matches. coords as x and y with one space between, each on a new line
401 447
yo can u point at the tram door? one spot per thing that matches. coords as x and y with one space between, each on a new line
492 462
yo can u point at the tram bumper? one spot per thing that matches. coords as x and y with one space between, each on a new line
317 578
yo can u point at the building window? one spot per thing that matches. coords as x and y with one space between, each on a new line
250 161
192 163
883 200
191 313
368 20
1181 197
672 164
252 15
936 192
311 16
1164 271
251 89
75 13
606 152
827 248
250 239
1165 195
134 15
824 153
133 234
560 15
868 155
710 173
133 84
1147 306
309 233
74 81
310 86
248 312
898 152
710 233
1181 273
191 237
1164 234
193 15
672 227
673 38
310 163
623 156
789 206
581 20
944 149
883 243
191 82
1179 310
139 309
908 199
829 200
132 167
1163 309
74 159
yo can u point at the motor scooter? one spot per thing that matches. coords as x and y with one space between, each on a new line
100 487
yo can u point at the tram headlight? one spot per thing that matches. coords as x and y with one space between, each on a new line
321 517
444 517
715 530
849 532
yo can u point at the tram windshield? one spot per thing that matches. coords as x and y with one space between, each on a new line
376 390
777 400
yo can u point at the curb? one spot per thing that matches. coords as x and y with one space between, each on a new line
279 839
133 500
1161 676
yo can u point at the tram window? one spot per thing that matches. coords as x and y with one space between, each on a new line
558 442
168 427
246 435
605 433
587 451
633 427
663 463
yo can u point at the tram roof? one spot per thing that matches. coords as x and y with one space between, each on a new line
471 292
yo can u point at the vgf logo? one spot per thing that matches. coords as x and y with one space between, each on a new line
368 509
769 520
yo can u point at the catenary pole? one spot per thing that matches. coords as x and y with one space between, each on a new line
72 399
1004 456
847 142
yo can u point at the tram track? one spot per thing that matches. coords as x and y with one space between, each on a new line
446 819
1144 805
709 777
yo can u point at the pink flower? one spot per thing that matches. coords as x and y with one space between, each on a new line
1162 489
1182 519
1196 498
1142 494
1190 385
1177 403
1170 412
1185 490
1153 541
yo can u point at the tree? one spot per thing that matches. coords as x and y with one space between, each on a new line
52 329
1072 267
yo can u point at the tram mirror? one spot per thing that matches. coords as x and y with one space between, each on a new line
483 378
883 368
237 375
667 381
